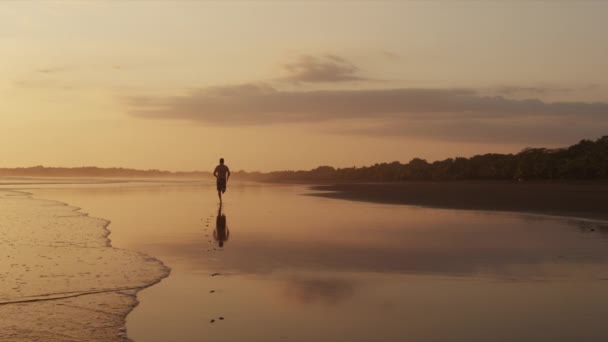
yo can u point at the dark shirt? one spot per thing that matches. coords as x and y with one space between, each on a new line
222 171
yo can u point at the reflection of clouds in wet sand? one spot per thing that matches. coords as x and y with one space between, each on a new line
534 255
328 291
315 269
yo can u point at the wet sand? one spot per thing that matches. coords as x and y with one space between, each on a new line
306 268
582 199
60 278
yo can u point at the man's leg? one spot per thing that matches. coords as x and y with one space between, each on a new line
219 189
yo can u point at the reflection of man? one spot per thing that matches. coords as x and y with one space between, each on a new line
221 232
222 173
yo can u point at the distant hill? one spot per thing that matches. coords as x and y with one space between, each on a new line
91 171
587 160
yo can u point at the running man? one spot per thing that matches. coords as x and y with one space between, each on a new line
222 173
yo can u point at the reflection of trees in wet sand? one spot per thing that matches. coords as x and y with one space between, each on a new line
590 226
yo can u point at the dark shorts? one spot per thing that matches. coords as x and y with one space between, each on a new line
221 185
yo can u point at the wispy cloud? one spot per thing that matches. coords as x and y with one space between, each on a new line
262 104
52 70
540 90
327 68
529 130
509 114
444 114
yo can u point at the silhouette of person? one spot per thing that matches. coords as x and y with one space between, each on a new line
221 232
222 174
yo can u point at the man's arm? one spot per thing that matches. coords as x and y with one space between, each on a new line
215 172
228 173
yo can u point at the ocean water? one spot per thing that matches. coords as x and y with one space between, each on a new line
277 264
59 277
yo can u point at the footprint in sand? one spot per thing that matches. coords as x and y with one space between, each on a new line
213 320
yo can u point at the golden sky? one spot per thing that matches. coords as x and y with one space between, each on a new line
294 85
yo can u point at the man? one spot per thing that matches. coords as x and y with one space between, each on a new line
222 174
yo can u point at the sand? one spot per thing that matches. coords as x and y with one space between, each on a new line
60 278
297 268
579 200
304 268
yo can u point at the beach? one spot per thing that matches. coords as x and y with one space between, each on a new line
61 280
296 267
568 199
296 171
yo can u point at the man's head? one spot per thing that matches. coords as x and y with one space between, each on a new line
221 160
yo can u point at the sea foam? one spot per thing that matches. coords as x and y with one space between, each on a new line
60 278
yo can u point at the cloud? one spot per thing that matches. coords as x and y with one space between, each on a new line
44 83
541 130
262 104
541 91
531 91
448 114
52 70
328 68
389 55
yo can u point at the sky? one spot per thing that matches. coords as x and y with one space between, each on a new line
294 85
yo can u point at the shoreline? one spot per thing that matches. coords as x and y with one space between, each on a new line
577 200
61 297
410 242
107 233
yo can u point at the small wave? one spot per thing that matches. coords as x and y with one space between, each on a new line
56 261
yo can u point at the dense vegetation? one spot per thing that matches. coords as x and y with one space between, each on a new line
587 160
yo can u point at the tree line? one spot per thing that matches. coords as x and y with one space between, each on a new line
586 160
